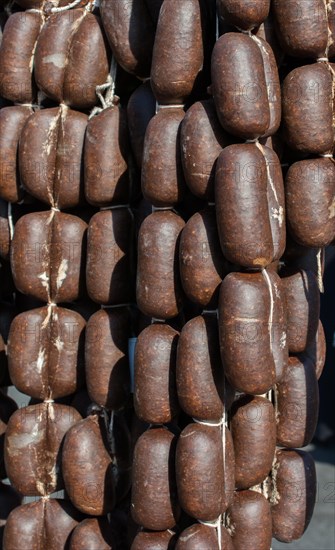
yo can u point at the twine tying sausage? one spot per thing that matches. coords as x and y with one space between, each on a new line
108 88
222 424
10 220
319 271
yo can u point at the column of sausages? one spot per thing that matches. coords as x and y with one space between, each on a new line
250 212
308 109
110 283
176 63
45 345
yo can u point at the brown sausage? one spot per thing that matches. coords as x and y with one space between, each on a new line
302 297
106 357
140 110
87 467
302 27
50 156
7 409
253 428
308 109
159 540
200 536
176 67
155 395
249 518
17 56
202 265
202 389
311 183
106 158
202 139
109 266
46 352
5 236
92 533
157 287
200 472
316 351
71 58
154 496
130 32
244 14
34 436
47 256
297 404
239 86
162 174
12 120
41 524
279 324
249 193
294 495
245 332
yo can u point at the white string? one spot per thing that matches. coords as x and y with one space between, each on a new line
322 60
222 424
171 106
327 156
115 207
48 401
10 220
319 276
270 322
65 8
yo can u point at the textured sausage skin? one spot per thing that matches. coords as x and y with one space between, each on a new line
162 174
155 396
249 193
12 120
17 56
294 500
253 427
42 524
202 389
71 58
130 32
250 516
308 109
302 27
50 156
105 158
47 256
316 351
160 540
91 489
200 536
311 183
201 261
154 496
92 533
239 86
158 288
106 358
202 139
244 313
175 68
302 297
200 472
33 440
46 352
297 404
109 267
243 13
